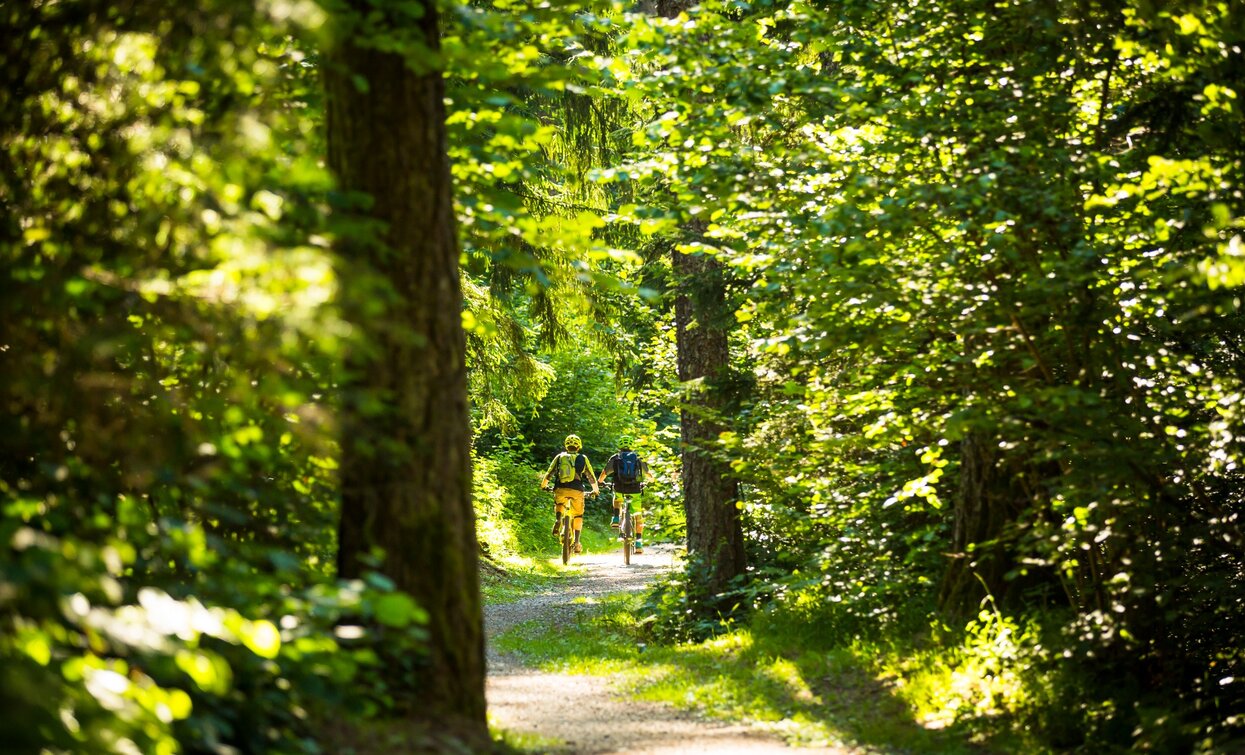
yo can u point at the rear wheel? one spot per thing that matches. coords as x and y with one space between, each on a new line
627 536
566 540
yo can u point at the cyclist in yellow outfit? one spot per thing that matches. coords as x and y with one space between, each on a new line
569 471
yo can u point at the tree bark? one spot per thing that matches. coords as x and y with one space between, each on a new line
405 462
715 540
992 501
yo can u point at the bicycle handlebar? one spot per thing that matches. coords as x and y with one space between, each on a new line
587 493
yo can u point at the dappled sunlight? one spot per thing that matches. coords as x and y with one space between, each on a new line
914 331
807 698
989 674
728 644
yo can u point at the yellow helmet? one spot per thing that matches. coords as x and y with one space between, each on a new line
572 442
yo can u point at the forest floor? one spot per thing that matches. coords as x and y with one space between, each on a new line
582 713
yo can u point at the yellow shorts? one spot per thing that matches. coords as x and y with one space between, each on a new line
574 499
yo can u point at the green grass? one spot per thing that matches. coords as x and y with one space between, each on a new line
596 538
519 742
807 698
520 575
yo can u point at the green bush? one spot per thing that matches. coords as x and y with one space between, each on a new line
94 658
513 513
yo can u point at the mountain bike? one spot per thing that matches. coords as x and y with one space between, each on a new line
626 528
566 533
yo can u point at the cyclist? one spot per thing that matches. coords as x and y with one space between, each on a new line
629 472
570 470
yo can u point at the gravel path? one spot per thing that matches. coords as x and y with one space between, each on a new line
528 701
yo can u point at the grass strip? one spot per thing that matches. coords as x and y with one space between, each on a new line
823 698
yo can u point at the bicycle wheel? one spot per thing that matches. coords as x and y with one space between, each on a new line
566 540
627 536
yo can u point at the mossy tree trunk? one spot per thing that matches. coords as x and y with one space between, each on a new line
710 492
715 541
405 463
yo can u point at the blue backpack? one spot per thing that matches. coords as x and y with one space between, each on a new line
628 468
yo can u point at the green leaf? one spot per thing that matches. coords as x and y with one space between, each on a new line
398 610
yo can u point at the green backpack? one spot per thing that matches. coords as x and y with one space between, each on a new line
566 467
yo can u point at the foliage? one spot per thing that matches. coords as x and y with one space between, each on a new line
512 512
586 398
983 261
96 659
985 313
583 400
167 472
537 267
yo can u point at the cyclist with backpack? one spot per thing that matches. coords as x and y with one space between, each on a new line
570 470
629 472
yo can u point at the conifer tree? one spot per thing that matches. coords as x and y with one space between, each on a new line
405 466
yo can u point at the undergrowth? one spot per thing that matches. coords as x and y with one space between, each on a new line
761 675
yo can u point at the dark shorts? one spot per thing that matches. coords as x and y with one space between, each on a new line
627 488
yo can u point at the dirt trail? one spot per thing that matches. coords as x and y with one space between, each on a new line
528 701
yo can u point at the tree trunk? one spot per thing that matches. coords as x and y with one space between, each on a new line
992 502
405 464
715 540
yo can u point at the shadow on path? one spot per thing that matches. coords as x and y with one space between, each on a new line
539 647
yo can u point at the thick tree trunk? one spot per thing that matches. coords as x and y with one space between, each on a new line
978 520
715 540
405 468
992 503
